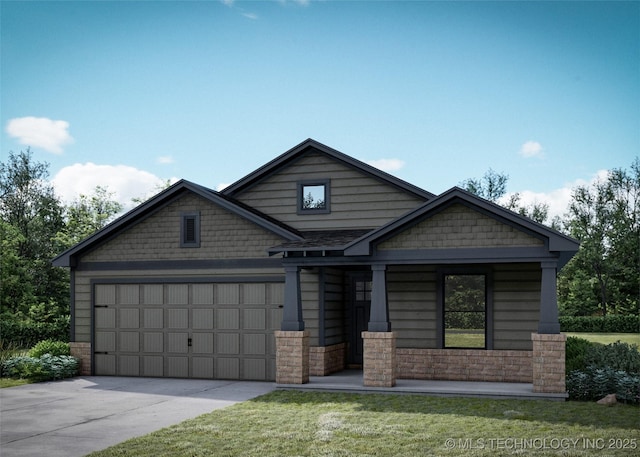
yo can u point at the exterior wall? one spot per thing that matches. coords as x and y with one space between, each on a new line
326 360
465 365
357 200
459 227
412 292
223 235
83 287
334 307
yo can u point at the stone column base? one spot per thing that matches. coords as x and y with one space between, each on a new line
549 362
82 351
379 359
292 357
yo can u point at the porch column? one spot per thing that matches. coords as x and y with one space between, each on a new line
548 322
379 317
292 313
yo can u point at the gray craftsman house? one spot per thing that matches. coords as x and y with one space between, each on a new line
314 263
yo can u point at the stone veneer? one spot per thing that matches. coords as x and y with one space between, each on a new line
326 360
292 357
82 351
379 359
549 369
464 365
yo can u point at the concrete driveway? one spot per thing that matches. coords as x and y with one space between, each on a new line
77 416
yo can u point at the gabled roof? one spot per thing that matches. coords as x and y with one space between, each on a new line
554 240
312 145
160 201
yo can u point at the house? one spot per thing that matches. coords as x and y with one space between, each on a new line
313 263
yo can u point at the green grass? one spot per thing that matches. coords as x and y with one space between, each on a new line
608 338
291 423
10 382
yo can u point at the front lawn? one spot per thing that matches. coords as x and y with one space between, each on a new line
291 423
607 338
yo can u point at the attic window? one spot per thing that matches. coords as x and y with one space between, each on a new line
190 230
314 197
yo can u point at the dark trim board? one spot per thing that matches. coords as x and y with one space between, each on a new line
180 264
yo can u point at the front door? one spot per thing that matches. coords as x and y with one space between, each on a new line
360 309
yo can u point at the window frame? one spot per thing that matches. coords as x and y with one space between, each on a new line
326 183
488 303
184 218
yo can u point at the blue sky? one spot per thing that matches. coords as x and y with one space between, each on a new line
125 94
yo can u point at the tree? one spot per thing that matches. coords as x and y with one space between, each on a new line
605 218
31 215
493 187
86 215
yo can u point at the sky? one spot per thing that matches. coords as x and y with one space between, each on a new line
130 94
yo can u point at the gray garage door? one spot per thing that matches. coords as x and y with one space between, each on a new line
211 331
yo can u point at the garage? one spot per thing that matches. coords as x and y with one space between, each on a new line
217 330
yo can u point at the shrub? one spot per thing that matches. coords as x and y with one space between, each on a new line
576 349
50 347
46 368
618 355
28 333
598 324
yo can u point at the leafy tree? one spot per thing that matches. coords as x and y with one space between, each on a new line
605 217
31 215
493 187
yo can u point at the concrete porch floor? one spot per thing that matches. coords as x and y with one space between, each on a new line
351 381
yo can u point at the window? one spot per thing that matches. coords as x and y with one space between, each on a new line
465 311
190 230
313 197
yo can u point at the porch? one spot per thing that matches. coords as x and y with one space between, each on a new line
351 381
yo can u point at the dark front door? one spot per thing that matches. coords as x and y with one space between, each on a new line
360 309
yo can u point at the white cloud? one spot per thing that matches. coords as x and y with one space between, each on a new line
164 160
557 199
40 132
222 186
387 165
123 181
531 149
252 16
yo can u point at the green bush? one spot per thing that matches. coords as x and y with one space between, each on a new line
576 349
46 368
50 347
595 370
28 333
598 324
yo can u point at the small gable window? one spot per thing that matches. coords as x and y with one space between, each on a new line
190 230
314 197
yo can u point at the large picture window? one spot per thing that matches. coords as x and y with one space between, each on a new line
465 311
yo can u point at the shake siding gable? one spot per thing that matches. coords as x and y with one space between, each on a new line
223 235
460 227
357 199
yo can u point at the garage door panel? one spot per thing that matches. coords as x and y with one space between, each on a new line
203 367
228 368
129 342
129 365
153 342
178 367
129 318
177 318
105 341
153 318
177 343
153 365
254 319
198 330
227 319
254 344
202 319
